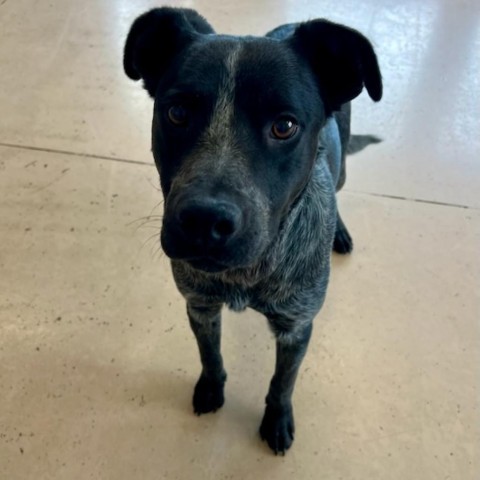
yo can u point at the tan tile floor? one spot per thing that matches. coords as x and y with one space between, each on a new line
97 362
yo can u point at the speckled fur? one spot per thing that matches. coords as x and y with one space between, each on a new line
291 277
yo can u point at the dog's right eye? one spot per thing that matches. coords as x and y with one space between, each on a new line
178 115
284 128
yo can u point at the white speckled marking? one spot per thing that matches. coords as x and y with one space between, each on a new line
219 133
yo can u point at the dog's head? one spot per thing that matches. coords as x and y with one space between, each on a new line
236 125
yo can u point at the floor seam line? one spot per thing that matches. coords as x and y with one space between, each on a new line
139 162
416 200
74 154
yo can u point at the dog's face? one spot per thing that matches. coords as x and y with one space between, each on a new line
235 130
235 136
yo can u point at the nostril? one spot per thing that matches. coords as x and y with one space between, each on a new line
208 222
223 229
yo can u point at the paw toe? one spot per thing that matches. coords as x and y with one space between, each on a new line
277 429
343 242
208 396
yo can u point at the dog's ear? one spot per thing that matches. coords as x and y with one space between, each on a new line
342 59
155 38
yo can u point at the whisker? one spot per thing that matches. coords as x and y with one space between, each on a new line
149 223
152 227
149 239
158 189
156 206
159 252
148 217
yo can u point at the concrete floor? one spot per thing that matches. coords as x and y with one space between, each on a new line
97 363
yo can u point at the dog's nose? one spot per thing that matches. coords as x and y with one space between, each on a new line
209 221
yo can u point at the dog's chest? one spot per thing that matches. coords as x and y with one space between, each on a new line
237 300
235 293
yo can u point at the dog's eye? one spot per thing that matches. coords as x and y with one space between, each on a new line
284 128
178 115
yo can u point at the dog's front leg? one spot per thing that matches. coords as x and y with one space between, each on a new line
206 325
278 426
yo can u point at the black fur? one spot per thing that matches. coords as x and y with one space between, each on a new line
249 136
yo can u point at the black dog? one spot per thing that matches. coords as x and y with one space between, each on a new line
249 137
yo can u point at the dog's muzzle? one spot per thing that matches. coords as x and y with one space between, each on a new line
203 230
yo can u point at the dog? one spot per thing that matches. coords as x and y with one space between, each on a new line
249 136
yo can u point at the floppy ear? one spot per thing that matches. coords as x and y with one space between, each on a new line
342 59
155 38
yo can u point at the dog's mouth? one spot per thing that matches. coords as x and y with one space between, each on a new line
207 265
196 256
210 262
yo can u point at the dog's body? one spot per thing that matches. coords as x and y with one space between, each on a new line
250 137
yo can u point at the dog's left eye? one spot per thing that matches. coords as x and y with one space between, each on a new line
178 115
284 128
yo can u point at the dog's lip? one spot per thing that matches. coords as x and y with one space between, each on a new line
206 264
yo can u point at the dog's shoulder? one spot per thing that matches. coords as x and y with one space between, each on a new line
283 31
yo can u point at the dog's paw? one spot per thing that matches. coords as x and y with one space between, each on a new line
208 395
343 242
278 429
